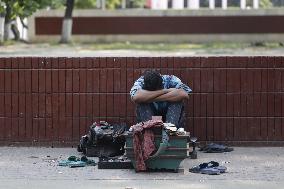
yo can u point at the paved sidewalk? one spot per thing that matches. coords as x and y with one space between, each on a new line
29 168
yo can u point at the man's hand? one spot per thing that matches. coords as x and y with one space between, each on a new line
172 95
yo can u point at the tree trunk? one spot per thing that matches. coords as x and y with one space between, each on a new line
67 22
2 23
7 24
15 31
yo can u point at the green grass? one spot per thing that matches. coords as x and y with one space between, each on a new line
8 43
176 46
157 46
144 46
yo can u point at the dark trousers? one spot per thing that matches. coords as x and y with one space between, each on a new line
172 112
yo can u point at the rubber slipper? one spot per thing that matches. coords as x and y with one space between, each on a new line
210 171
216 148
222 169
77 164
214 164
210 168
64 163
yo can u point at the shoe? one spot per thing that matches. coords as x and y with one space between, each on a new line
215 165
210 168
210 171
216 148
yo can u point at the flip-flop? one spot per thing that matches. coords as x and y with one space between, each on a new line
64 163
215 165
210 168
206 170
210 171
216 148
77 164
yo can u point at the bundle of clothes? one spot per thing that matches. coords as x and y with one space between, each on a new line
143 139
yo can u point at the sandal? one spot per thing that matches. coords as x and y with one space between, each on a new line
210 168
216 148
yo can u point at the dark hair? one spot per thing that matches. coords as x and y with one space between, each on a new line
152 80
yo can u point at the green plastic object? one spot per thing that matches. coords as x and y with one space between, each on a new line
74 161
64 163
168 156
77 164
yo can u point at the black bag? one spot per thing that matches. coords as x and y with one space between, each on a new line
104 140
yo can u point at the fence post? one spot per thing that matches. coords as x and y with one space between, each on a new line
123 4
103 4
243 4
255 4
224 4
2 23
211 4
193 4
159 4
178 4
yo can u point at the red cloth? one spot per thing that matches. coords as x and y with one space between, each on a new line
143 142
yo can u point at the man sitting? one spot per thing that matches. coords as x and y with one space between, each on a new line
160 95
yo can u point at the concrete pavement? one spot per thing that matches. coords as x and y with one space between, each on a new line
24 167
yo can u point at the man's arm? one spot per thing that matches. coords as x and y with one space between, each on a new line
174 95
144 96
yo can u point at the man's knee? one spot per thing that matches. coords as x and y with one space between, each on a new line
176 105
175 113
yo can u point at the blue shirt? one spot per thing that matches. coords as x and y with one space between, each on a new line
169 81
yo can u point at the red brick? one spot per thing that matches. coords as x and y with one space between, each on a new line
69 107
41 108
61 81
2 81
76 105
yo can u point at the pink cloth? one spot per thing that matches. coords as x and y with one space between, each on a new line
143 142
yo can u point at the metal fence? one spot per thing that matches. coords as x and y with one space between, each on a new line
195 4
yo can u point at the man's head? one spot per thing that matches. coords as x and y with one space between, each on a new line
152 80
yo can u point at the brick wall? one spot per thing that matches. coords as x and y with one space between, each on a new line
55 100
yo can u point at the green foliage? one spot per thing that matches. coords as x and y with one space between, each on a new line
2 8
22 8
265 4
113 4
85 4
137 3
56 4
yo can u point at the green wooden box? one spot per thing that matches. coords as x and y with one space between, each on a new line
169 159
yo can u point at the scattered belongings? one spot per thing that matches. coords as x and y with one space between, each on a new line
216 148
74 161
210 168
121 162
103 139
